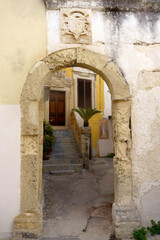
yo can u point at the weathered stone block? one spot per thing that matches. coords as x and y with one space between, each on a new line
94 60
29 181
126 219
36 79
115 81
28 225
30 117
61 59
29 144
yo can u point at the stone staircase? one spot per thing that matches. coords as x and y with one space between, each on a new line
65 158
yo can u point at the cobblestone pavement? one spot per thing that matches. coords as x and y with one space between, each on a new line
78 206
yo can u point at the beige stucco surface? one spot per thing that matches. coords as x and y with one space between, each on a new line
22 44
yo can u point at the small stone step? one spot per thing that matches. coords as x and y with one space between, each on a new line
62 172
64 155
62 161
65 151
65 140
65 145
61 167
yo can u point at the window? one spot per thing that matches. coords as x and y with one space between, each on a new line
84 93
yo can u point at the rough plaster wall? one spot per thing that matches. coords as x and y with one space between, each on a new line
146 151
132 40
134 44
53 29
22 44
150 206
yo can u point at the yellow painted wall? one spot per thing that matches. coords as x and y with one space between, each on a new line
22 44
94 121
69 74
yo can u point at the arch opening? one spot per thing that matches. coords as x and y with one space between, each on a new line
32 139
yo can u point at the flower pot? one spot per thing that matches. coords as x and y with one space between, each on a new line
46 157
50 151
86 124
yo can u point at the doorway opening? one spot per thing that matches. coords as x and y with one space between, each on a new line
82 203
57 108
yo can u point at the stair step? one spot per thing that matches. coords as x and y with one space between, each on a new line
64 156
59 167
64 134
65 145
62 161
62 172
64 151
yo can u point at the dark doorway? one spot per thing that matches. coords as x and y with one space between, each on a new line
57 108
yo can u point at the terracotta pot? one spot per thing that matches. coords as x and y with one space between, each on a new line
86 124
46 157
50 151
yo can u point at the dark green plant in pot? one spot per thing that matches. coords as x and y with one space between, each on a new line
155 228
86 114
47 144
140 234
48 130
48 139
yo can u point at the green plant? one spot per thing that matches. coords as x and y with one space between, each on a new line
86 114
48 130
140 234
110 155
155 228
49 138
47 144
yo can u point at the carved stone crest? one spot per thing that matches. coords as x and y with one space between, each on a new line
75 26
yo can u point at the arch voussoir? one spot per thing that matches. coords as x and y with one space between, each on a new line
61 59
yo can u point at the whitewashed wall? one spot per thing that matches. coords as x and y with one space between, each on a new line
9 167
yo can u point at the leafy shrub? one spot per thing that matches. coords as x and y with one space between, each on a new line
140 234
49 138
47 144
155 228
48 130
110 155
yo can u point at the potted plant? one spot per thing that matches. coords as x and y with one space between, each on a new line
86 114
48 140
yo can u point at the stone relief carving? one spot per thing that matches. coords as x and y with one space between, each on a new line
59 80
75 26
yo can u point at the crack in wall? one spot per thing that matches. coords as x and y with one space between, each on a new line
140 43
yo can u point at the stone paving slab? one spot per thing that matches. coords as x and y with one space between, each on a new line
61 238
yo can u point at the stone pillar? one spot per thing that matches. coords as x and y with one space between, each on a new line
28 225
85 141
125 214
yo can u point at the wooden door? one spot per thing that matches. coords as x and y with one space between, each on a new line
57 108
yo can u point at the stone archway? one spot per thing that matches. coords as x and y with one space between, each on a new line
125 217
